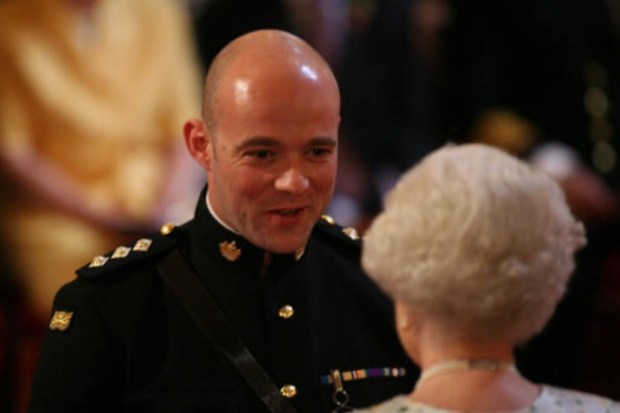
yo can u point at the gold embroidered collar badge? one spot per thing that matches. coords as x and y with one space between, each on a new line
230 251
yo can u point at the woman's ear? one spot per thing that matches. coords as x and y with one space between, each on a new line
198 142
407 330
402 315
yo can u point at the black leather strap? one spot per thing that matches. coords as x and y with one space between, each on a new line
212 321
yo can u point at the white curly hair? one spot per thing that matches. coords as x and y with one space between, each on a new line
477 240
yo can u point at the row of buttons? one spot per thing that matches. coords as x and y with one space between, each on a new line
289 391
287 311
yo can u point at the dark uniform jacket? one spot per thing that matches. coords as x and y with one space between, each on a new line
119 339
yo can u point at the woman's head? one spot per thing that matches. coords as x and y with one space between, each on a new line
476 240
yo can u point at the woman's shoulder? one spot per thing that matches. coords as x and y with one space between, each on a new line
400 404
555 399
552 399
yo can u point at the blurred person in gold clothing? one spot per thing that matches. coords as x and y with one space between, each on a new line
92 96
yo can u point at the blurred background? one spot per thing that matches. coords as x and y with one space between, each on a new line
93 95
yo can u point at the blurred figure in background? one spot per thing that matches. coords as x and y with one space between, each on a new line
93 93
217 22
475 247
388 70
320 22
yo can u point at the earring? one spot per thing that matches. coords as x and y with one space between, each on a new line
403 322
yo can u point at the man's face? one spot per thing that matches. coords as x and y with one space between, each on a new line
273 158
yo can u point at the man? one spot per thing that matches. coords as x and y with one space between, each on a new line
287 280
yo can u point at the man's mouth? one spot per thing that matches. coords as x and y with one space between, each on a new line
288 212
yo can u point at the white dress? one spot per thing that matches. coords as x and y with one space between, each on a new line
551 400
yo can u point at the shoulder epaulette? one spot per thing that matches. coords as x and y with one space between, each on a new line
139 250
348 235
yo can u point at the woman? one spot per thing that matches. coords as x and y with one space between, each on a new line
476 248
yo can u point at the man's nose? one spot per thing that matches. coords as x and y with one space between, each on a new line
292 180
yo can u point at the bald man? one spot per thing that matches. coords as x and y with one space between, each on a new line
286 278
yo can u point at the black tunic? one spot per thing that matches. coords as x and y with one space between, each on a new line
131 346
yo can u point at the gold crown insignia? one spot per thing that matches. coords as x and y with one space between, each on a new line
61 320
230 251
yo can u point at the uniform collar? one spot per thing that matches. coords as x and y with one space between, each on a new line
225 245
216 217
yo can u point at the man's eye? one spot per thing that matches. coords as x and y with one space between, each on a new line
261 154
320 151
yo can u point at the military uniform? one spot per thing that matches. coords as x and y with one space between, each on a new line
120 340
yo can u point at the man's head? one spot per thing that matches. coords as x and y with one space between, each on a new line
269 138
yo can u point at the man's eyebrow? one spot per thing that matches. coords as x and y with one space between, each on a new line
256 141
272 143
323 141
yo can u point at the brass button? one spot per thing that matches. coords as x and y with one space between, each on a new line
167 229
289 391
286 311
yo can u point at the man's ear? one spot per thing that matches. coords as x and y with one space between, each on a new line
198 142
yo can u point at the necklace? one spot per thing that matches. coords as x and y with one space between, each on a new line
450 366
